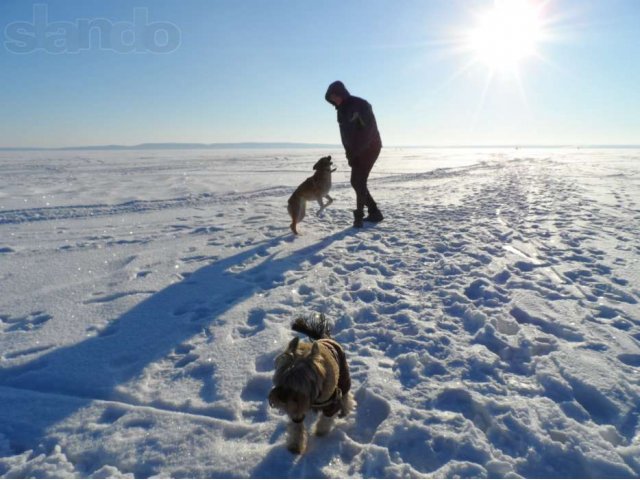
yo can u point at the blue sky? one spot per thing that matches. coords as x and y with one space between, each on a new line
257 70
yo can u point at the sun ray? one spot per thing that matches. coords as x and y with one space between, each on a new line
555 66
522 91
457 74
483 97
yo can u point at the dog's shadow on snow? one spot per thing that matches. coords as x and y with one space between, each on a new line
342 444
93 369
281 463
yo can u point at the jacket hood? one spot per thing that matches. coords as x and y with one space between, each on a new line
337 88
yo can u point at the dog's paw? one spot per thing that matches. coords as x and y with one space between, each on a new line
324 425
349 404
297 442
297 446
295 449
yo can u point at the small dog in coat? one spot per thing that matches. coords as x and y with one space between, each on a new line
316 188
311 377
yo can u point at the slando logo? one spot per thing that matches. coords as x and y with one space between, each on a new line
138 36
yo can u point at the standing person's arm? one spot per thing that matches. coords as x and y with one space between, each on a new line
358 129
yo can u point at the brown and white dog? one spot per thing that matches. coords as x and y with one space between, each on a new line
316 188
311 377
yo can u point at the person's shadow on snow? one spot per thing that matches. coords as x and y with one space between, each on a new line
90 370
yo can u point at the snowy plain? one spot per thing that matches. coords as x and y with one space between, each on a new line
491 322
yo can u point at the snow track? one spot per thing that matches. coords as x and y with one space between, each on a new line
79 212
491 322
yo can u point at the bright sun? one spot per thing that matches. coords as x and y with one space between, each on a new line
507 34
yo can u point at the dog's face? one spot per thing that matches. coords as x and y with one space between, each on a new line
294 404
324 163
297 380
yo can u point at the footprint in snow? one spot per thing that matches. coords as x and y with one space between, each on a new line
111 329
184 348
255 323
371 411
631 359
112 415
205 373
254 395
27 323
27 351
266 361
143 423
186 360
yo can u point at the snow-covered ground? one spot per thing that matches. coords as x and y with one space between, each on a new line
491 321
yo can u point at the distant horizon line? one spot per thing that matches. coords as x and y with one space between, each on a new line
291 145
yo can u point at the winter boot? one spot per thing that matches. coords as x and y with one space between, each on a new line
374 216
358 216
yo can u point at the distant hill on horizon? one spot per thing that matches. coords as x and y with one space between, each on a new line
278 145
182 146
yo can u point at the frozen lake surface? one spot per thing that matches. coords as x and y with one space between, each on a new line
491 321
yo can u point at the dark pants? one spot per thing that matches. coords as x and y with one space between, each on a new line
360 169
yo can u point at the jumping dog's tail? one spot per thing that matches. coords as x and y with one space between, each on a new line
316 327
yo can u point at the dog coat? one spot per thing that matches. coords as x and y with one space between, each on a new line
333 404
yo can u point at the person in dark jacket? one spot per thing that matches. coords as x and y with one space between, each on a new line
362 145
